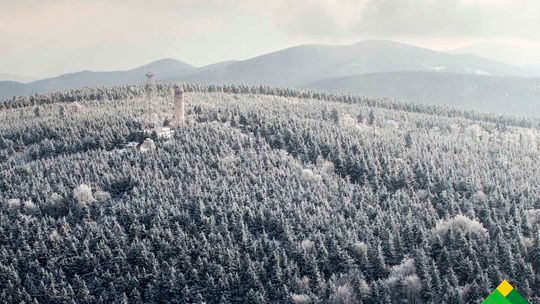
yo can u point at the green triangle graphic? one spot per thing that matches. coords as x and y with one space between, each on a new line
512 295
515 298
496 298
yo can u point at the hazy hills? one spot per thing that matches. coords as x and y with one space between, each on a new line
320 67
516 55
16 77
162 68
303 64
513 95
12 88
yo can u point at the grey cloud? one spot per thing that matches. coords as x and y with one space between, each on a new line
411 18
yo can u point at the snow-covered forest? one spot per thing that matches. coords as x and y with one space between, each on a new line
265 196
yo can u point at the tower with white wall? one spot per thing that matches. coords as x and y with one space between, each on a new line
178 118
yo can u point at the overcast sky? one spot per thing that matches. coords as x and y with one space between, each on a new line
48 37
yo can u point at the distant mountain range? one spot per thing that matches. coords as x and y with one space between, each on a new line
372 67
516 55
496 94
303 64
164 68
15 77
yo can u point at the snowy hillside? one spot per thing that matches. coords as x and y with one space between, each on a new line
264 196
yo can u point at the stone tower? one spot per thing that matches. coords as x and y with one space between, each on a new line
178 118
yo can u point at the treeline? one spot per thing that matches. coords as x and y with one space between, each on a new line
133 91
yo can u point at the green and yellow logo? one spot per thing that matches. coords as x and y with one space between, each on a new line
505 294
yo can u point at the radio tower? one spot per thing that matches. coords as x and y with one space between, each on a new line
150 86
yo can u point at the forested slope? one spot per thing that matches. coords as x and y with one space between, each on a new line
265 196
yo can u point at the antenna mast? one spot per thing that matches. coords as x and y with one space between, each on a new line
150 85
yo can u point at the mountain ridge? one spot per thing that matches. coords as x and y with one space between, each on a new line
16 78
501 94
307 63
301 66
